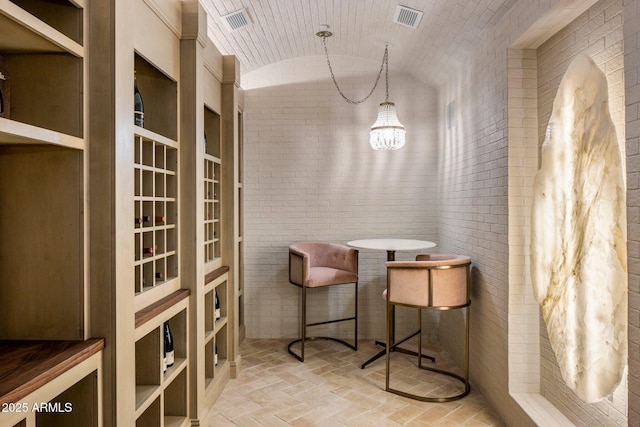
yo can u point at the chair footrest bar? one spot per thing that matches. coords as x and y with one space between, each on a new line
351 346
326 322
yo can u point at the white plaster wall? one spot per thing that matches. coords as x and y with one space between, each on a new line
310 175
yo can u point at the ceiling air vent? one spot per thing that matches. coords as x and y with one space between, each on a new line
407 16
236 20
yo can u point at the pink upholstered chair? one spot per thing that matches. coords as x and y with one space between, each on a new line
435 282
314 265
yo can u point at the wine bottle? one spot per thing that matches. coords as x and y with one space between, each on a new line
164 353
168 345
138 105
161 219
3 78
215 355
217 310
145 218
205 143
4 87
149 251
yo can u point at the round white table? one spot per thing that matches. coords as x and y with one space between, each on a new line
391 246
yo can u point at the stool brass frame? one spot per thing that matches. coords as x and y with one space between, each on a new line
464 379
303 303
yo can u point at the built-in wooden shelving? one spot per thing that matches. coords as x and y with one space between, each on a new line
216 330
162 392
141 251
45 356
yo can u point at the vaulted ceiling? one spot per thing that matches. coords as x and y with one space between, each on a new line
285 29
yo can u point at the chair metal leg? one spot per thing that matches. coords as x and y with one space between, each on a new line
304 325
304 322
388 345
463 379
355 336
419 338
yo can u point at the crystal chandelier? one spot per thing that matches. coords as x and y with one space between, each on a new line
387 133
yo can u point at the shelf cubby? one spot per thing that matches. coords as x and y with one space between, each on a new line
151 415
76 406
61 15
209 351
160 98
45 91
221 344
212 133
175 401
42 221
42 61
148 366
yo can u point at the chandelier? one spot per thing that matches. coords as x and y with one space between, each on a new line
387 133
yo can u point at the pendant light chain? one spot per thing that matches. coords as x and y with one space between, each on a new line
385 62
387 133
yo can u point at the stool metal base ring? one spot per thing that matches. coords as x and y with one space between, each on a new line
300 358
467 388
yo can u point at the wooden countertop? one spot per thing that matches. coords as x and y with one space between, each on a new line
148 313
26 366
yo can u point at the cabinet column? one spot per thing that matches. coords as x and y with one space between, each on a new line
111 245
230 203
192 132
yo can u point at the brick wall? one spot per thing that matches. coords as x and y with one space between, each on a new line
631 15
480 169
597 33
471 165
310 175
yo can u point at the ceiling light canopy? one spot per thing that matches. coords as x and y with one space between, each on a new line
387 133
